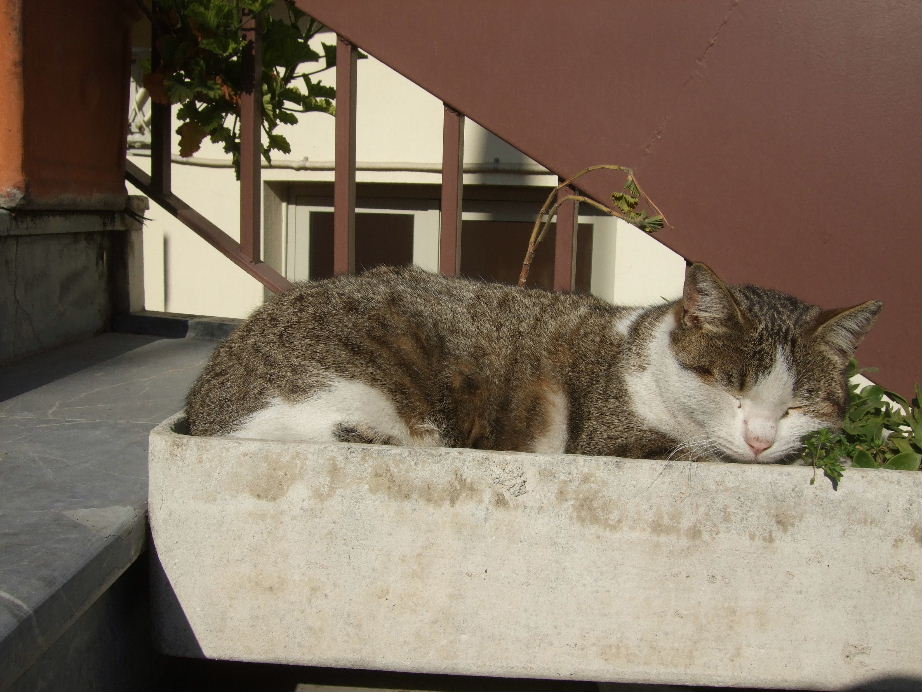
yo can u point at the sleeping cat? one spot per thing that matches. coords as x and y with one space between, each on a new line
401 356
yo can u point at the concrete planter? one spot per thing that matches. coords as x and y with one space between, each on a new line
522 565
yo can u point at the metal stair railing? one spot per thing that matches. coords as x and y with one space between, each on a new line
246 252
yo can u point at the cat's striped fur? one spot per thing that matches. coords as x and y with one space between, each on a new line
402 356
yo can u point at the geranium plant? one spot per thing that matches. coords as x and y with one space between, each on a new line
205 62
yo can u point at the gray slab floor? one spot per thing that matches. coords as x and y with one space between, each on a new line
73 476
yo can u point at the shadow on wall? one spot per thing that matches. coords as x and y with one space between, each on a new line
170 621
488 148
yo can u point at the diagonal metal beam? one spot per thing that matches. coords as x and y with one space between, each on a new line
213 235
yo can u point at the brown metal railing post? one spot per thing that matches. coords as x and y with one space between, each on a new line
452 187
160 126
344 176
245 253
251 145
565 243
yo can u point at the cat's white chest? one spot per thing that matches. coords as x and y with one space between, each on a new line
662 390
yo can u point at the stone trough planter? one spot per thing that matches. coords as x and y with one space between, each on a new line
524 565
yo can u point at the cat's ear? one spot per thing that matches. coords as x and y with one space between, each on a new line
840 331
707 302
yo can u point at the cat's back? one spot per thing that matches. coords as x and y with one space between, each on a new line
395 327
411 299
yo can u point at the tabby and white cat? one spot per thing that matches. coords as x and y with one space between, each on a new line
401 356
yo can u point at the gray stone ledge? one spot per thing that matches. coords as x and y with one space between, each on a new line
74 423
16 201
81 218
174 325
112 539
519 565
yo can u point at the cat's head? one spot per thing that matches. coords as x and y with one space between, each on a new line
761 368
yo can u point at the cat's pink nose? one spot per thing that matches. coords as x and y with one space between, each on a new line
758 446
758 443
759 435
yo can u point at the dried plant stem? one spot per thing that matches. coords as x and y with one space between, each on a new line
540 230
549 210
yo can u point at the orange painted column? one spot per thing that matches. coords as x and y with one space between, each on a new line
64 71
12 177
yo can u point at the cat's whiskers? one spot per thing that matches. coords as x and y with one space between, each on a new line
696 449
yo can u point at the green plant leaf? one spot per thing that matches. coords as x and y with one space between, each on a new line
832 469
897 399
902 444
287 117
630 187
329 54
906 461
204 56
178 91
280 143
653 223
191 135
319 90
863 460
915 419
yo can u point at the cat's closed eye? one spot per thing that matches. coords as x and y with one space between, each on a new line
702 371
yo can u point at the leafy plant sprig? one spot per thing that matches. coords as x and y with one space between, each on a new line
881 430
206 63
627 201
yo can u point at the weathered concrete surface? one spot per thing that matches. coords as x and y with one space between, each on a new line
520 565
64 274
